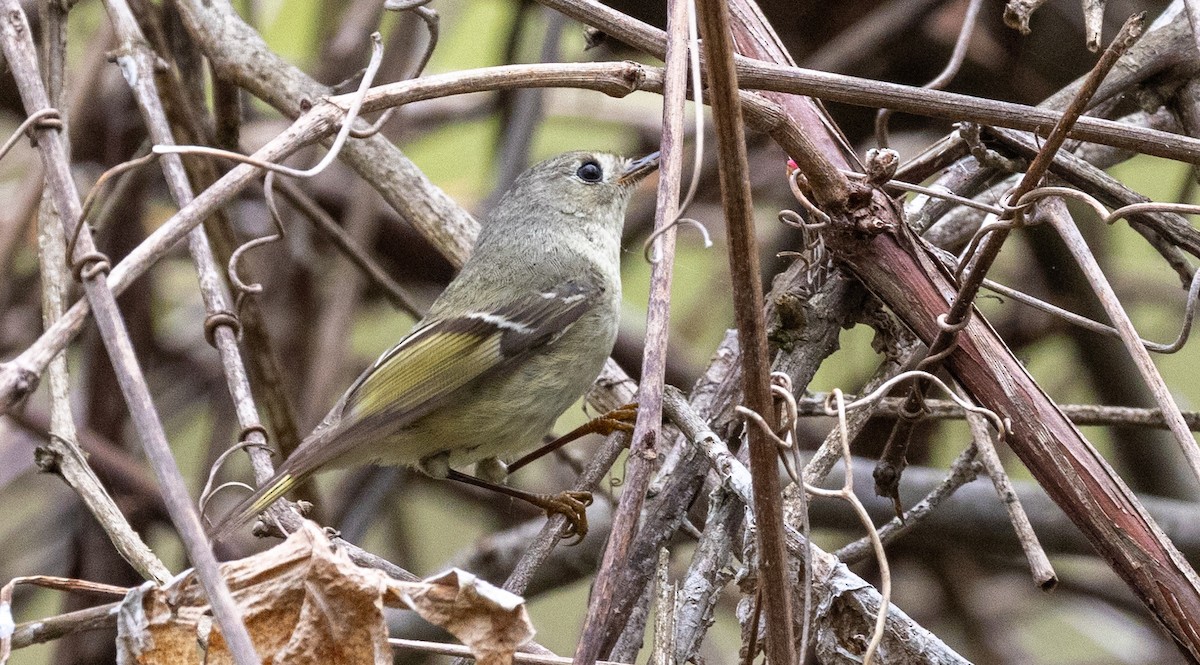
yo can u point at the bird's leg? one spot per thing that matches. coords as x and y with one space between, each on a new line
569 504
619 419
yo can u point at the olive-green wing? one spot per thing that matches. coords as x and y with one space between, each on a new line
418 375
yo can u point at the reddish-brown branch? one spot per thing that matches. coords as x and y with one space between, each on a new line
894 267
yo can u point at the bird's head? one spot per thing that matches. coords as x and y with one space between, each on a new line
595 184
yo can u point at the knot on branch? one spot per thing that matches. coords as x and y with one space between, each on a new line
882 164
17 382
632 77
47 459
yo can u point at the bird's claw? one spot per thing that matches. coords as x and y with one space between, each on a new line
573 506
620 419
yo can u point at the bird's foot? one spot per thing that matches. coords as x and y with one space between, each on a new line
570 504
620 419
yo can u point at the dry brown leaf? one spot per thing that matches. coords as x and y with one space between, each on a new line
304 601
492 622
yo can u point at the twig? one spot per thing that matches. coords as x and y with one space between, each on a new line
1167 233
716 395
958 108
1039 564
747 283
49 582
262 359
1018 12
828 453
664 613
1055 212
51 628
222 328
903 638
464 652
892 459
707 574
65 455
648 426
962 471
1033 175
20 53
755 74
620 391
1080 414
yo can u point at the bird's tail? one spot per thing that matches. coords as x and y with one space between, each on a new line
263 497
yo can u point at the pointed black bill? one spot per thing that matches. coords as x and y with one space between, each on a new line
639 168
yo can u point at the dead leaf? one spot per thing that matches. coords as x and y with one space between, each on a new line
490 621
304 601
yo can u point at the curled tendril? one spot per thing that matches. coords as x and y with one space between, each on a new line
47 118
650 248
243 289
431 20
351 114
209 491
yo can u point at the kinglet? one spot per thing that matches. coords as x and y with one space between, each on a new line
517 337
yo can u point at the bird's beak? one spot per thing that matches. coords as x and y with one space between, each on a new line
638 169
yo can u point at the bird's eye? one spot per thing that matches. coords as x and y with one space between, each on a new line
590 172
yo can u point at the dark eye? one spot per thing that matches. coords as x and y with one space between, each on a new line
590 172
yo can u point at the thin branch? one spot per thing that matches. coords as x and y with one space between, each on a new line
747 284
22 59
325 223
1080 414
756 74
853 604
221 325
617 389
648 426
1055 212
707 574
64 454
1039 564
1033 176
463 652
958 108
962 471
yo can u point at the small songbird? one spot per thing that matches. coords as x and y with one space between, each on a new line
517 337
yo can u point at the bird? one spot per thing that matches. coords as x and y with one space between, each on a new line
519 334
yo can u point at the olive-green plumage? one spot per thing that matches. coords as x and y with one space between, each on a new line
517 337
